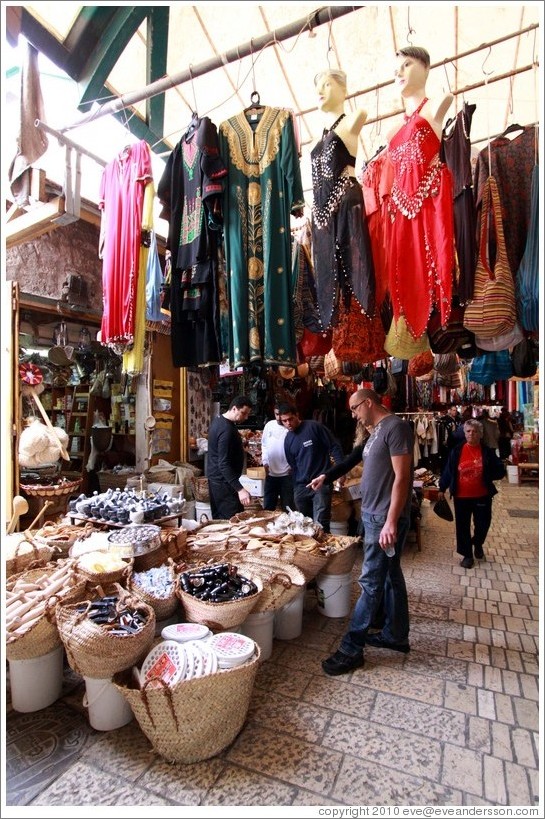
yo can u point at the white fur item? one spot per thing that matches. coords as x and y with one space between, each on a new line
39 445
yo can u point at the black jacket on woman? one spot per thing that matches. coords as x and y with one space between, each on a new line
493 470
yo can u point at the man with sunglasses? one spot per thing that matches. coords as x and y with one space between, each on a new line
387 484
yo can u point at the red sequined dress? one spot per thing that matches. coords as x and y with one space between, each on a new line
420 226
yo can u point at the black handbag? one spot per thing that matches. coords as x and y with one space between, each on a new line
442 508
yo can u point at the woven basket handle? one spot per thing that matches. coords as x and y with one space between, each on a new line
282 578
168 695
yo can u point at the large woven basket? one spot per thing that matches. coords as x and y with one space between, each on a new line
195 719
61 536
42 635
310 563
52 491
111 480
281 581
92 650
220 616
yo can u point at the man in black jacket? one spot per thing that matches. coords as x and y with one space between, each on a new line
226 461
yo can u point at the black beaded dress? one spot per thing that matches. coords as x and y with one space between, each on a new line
341 246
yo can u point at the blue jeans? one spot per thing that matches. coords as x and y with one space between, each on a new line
315 505
380 576
278 486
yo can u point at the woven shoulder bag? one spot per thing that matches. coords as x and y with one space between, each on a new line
492 311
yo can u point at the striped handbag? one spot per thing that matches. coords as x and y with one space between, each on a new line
492 310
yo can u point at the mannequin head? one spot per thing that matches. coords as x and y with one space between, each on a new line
331 87
412 69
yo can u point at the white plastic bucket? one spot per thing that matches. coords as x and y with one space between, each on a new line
202 509
334 593
108 709
260 627
189 509
37 682
338 527
513 474
288 621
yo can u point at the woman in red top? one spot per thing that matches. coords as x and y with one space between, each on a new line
469 474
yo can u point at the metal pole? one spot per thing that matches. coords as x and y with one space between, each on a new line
322 15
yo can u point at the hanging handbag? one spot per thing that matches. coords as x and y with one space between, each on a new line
400 343
490 367
421 364
356 337
505 341
528 272
492 310
524 358
448 338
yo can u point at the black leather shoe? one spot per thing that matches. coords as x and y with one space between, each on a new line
466 563
377 641
479 554
340 663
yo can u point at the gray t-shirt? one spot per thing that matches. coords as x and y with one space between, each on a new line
392 436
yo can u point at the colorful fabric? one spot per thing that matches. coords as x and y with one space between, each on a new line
420 228
262 189
121 199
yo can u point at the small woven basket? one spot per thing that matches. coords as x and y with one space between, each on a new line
281 581
28 554
110 480
160 476
94 651
200 489
220 616
342 560
164 607
195 719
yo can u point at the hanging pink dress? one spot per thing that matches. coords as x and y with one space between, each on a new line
121 200
420 226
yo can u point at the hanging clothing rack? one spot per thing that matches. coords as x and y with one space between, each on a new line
319 17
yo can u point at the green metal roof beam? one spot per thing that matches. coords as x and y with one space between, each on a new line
156 64
108 50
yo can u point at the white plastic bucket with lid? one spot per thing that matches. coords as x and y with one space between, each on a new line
334 592
202 508
260 627
108 709
288 620
37 682
338 527
513 473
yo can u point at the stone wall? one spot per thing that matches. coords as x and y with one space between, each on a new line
42 265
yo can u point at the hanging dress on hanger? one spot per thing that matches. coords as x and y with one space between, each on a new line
420 227
263 188
341 246
456 153
190 191
121 200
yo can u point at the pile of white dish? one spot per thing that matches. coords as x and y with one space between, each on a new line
189 651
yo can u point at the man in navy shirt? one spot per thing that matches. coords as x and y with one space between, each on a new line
309 448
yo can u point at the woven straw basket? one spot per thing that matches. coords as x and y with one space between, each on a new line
53 491
28 554
195 719
310 563
200 489
92 650
281 581
343 560
42 635
220 616
164 607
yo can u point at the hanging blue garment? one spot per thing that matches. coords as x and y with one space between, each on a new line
527 278
154 279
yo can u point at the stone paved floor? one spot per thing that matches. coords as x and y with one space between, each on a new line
455 722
